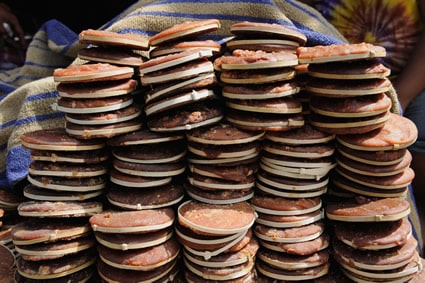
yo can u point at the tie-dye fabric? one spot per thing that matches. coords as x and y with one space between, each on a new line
393 24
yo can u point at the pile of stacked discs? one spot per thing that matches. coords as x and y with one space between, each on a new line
348 98
264 36
147 170
293 176
54 249
65 177
375 166
296 164
185 36
373 239
222 163
136 246
258 84
229 131
181 82
98 98
293 239
218 243
113 48
64 168
348 86
117 49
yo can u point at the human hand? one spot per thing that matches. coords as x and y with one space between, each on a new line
9 25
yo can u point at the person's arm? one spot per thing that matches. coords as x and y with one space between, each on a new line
411 80
6 16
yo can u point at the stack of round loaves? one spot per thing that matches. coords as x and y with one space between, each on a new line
264 36
218 243
50 249
293 176
296 164
258 84
98 97
147 170
370 181
184 37
348 86
222 163
293 239
66 175
373 239
376 164
180 161
97 100
113 48
181 81
64 168
136 246
259 89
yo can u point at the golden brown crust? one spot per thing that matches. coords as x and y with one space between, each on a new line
285 204
366 105
113 56
289 234
92 72
123 219
222 133
188 28
96 89
339 52
59 209
386 258
102 131
104 37
186 119
232 216
249 59
270 29
398 132
175 47
159 196
377 236
141 259
143 136
301 248
351 70
374 208
60 267
92 103
114 274
56 137
40 230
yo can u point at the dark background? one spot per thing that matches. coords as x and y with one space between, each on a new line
76 14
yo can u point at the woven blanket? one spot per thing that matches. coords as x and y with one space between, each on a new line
27 93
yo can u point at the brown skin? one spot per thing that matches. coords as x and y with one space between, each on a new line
418 186
408 85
